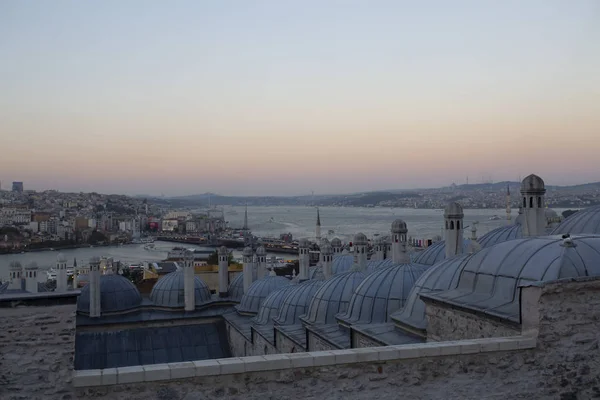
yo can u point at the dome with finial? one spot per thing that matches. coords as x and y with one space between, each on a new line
453 210
223 250
261 251
169 291
117 294
247 252
303 243
60 258
326 249
258 292
399 226
336 242
533 183
360 239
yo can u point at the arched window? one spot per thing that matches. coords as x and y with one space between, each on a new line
293 350
457 225
446 225
531 202
451 225
539 202
524 202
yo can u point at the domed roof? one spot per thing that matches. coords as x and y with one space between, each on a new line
296 302
333 297
303 242
399 226
223 250
258 291
315 273
342 263
116 294
15 266
376 265
436 253
169 291
489 279
247 252
360 239
381 293
586 221
336 242
271 304
261 251
61 258
501 234
453 209
436 278
236 287
326 249
532 183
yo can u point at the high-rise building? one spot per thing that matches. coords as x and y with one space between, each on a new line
17 187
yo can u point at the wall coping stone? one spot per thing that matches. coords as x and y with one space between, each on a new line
239 365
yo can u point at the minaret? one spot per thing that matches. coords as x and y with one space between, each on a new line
223 271
453 216
399 235
247 268
474 245
16 276
31 281
75 271
95 306
327 260
379 250
303 259
261 266
246 218
318 227
61 273
189 278
360 251
533 190
508 217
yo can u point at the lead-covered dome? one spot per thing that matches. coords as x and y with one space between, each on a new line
342 263
296 302
501 234
436 253
261 251
169 291
381 293
271 304
533 183
258 292
333 297
453 210
489 279
60 258
336 242
236 287
360 239
399 226
117 294
586 221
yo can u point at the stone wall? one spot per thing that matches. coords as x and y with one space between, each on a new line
316 343
261 346
238 344
285 344
361 341
449 323
36 352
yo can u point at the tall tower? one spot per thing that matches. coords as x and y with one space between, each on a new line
318 227
399 237
303 259
95 305
533 191
189 278
31 281
360 251
246 218
248 268
75 272
379 250
261 265
453 215
327 260
223 271
508 217
16 276
61 273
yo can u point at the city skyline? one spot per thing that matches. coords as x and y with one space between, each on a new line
265 98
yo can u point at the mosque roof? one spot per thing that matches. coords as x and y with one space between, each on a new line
169 291
333 297
381 293
501 234
236 287
295 304
258 291
399 226
489 279
342 263
532 183
436 253
116 294
270 306
586 221
375 265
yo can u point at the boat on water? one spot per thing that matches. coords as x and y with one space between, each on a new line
51 273
494 218
149 246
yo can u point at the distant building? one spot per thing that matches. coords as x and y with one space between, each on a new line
17 187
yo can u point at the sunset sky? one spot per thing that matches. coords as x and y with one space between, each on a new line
288 97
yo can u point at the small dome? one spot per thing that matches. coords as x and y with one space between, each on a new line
342 263
261 251
188 255
247 252
376 265
94 260
15 266
223 251
501 234
315 273
586 221
258 291
533 183
399 226
360 239
60 258
436 253
169 291
333 298
453 210
303 243
236 287
381 293
336 242
32 265
296 302
270 305
117 294
326 249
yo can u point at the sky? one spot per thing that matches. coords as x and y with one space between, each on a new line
289 97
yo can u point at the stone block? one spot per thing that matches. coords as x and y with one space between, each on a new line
231 366
526 342
430 349
207 367
156 372
388 353
407 351
321 358
109 376
470 347
180 370
344 356
278 361
301 360
367 354
89 377
255 363
489 345
450 348
507 344
130 374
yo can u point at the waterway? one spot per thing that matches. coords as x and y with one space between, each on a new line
272 221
